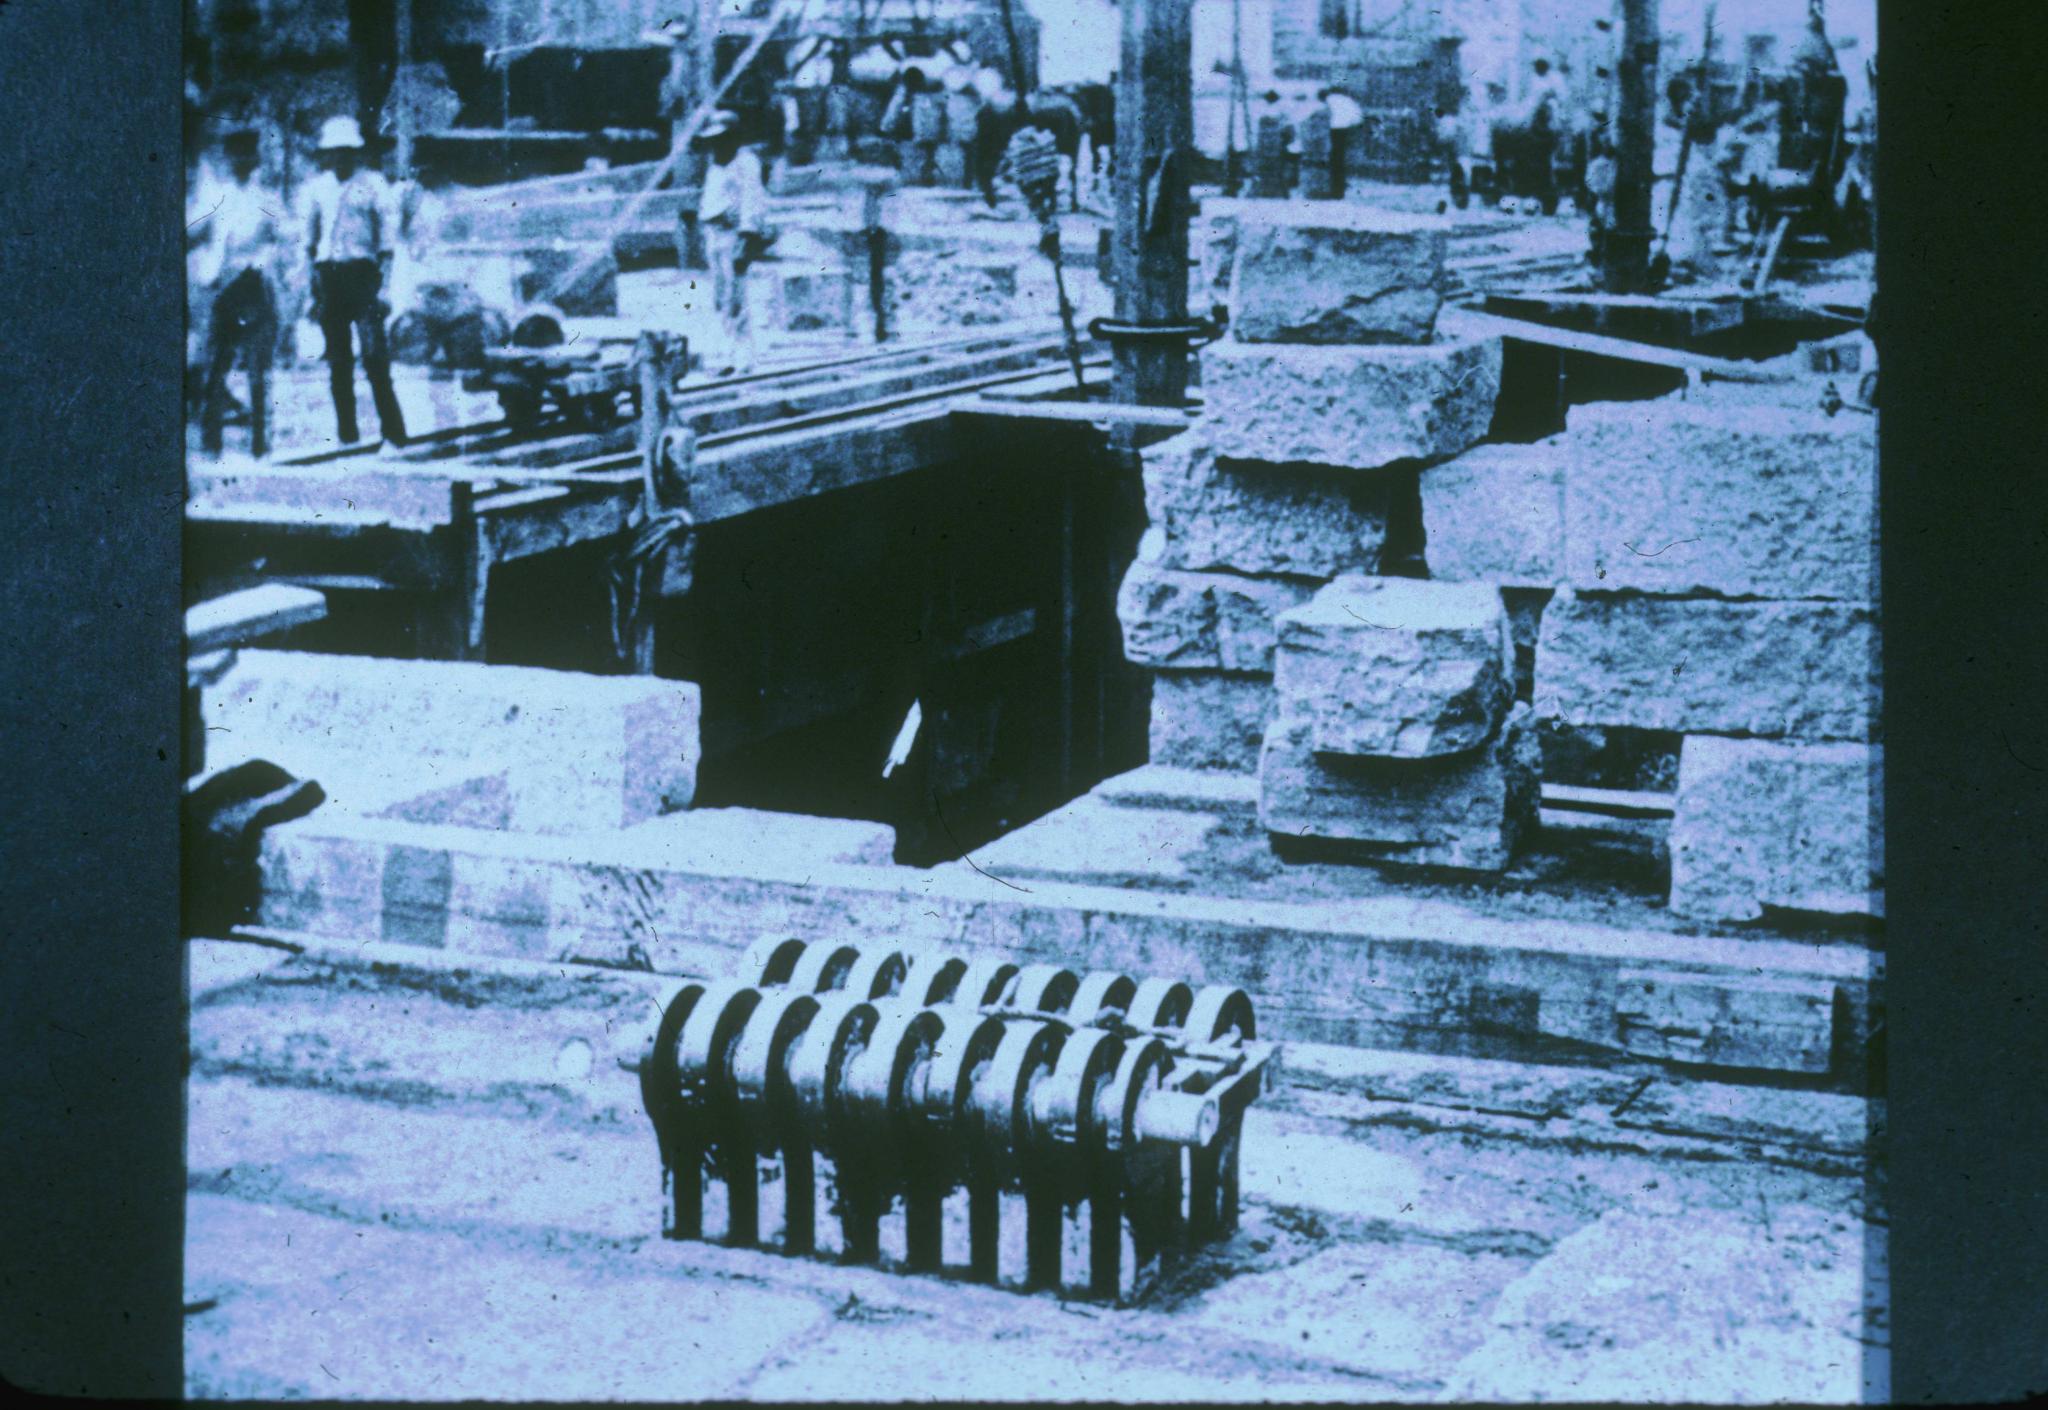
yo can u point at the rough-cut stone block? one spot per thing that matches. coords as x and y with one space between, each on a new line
547 751
1202 621
1805 670
1467 811
793 298
1336 273
1207 720
1719 1020
1760 823
1360 408
1298 520
1743 500
1397 668
1496 515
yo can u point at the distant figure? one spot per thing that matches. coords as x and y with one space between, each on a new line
1272 136
242 234
1346 117
732 213
351 225
910 82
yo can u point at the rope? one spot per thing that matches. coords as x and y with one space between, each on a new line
691 128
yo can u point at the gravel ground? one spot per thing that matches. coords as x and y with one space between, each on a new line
440 1187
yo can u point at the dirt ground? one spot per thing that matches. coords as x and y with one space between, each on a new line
442 1188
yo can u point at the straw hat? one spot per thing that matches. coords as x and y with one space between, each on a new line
339 134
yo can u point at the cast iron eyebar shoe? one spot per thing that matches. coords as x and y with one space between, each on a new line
1111 1110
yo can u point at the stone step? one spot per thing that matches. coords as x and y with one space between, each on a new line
1385 968
532 1027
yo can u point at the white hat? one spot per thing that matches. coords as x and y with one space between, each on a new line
721 121
338 133
958 79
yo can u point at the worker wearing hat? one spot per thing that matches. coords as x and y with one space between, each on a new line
240 235
732 215
350 218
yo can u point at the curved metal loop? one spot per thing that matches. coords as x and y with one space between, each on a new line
817 1065
1044 988
876 974
1219 1010
1160 1003
1192 334
985 981
771 960
1001 1100
1101 989
1141 1069
704 1051
823 967
760 1062
934 978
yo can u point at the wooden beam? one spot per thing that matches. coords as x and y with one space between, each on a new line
1154 145
1628 246
241 617
1495 325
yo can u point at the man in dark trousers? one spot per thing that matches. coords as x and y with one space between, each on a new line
351 222
240 233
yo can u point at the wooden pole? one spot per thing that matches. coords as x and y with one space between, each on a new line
402 119
1154 140
1628 246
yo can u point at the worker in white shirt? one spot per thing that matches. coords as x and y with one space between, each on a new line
732 214
240 236
351 223
1346 118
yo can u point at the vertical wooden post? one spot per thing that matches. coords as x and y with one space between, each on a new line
1154 143
402 118
1628 245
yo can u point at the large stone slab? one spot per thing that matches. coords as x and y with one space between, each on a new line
1208 720
1760 823
1804 670
1496 514
1397 668
1357 407
1764 1024
1389 970
1300 520
1466 811
1202 621
1745 500
500 746
1337 273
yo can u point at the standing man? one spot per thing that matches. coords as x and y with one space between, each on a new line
240 234
351 224
732 214
1345 118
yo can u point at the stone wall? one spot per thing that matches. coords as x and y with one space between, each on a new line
1713 564
1332 376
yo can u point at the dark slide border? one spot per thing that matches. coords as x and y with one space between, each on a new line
91 984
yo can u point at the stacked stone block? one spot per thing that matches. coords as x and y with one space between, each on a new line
1714 570
1397 731
1330 375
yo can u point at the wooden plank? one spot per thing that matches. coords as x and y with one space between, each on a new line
1609 802
241 617
1476 323
1103 414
